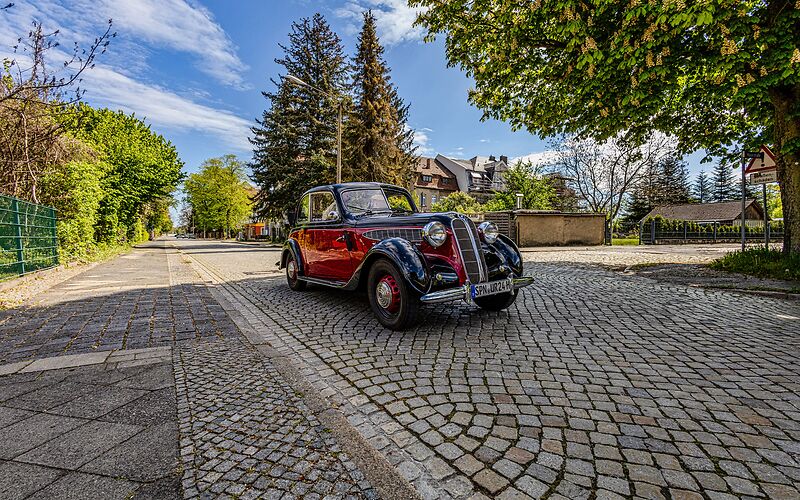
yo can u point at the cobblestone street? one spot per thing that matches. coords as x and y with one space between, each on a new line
595 384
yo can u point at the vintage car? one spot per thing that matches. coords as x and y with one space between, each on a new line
370 235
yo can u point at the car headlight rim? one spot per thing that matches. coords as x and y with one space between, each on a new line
488 231
435 233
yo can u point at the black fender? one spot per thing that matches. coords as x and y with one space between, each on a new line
293 247
404 255
506 248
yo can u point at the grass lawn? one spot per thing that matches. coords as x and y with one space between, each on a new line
625 241
760 262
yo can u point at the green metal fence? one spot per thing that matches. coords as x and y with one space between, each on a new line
28 240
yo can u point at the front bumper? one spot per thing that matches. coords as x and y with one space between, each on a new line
462 292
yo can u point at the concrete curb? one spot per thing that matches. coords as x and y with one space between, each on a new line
113 359
774 294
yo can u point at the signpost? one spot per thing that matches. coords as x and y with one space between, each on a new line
763 172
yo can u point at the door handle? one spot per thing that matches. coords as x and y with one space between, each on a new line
340 239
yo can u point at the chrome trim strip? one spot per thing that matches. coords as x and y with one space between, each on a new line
522 282
456 293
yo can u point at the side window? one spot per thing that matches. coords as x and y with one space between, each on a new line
322 207
302 210
397 201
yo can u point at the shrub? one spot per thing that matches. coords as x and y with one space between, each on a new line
765 263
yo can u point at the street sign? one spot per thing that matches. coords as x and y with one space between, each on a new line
765 161
753 154
763 177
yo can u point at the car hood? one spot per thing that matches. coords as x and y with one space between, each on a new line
400 220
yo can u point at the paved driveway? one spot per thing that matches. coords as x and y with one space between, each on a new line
594 383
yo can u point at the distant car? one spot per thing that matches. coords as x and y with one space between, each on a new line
370 235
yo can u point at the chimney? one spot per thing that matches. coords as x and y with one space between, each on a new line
492 158
428 163
504 159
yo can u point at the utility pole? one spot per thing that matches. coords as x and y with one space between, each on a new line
744 195
747 155
339 145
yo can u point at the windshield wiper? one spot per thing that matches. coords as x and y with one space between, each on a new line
372 212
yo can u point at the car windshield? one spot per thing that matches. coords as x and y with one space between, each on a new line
373 200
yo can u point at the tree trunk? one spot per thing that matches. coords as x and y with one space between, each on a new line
786 102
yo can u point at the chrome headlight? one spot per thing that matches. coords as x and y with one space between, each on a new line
488 231
434 233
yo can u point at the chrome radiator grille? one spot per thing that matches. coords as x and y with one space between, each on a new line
466 237
413 234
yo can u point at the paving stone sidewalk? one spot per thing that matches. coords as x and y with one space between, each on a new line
146 298
89 432
108 427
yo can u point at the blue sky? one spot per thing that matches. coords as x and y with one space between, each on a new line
195 70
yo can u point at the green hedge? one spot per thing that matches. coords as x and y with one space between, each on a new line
664 225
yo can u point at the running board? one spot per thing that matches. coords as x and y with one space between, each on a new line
317 281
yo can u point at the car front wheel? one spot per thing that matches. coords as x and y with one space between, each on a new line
395 304
292 278
497 302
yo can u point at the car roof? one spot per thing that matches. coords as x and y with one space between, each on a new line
352 185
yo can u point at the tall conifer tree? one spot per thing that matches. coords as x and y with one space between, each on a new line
294 143
379 140
702 187
723 188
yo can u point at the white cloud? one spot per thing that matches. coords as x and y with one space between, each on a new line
393 18
156 24
539 158
180 25
164 108
113 81
422 140
484 140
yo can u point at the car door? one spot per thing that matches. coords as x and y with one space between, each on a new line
329 255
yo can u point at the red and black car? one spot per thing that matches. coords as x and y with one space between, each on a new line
357 235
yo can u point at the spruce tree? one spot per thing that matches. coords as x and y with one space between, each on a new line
723 188
702 187
672 183
379 140
294 143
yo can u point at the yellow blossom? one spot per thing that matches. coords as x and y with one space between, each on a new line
728 47
795 56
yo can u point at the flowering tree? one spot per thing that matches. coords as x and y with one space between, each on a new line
718 74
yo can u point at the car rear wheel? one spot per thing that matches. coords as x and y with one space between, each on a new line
395 304
292 278
497 302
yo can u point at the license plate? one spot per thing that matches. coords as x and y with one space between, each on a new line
491 288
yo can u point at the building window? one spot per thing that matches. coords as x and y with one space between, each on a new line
445 180
422 199
433 199
427 178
